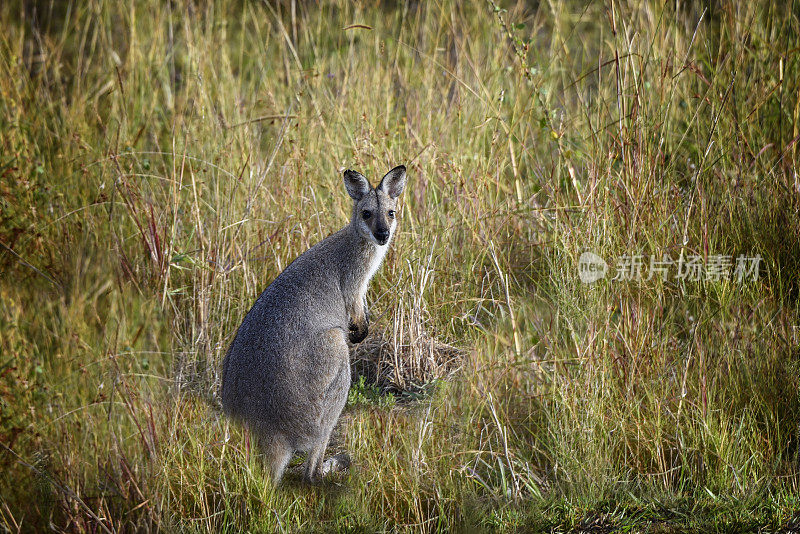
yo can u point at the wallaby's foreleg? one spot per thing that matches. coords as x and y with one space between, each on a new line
359 321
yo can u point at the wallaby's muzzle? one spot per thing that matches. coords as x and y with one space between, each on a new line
382 236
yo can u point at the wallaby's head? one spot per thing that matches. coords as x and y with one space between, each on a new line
374 209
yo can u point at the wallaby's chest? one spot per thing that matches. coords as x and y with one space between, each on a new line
374 263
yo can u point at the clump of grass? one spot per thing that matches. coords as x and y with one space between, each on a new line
161 163
368 394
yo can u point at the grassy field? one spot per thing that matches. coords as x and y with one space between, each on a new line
161 162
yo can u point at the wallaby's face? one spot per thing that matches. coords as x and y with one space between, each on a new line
374 211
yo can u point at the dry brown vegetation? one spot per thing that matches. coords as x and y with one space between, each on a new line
161 162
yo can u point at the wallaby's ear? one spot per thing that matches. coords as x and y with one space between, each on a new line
357 186
393 183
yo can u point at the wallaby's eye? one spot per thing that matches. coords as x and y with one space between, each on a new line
391 214
366 214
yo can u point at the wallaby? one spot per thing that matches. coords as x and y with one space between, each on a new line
287 373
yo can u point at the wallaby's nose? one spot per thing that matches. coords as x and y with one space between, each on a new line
382 236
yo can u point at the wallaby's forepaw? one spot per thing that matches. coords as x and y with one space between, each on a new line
358 333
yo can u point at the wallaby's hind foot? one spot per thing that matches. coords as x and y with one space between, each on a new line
338 463
276 452
335 464
313 472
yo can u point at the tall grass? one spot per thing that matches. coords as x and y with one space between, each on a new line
162 162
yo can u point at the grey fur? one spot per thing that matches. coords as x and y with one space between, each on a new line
287 373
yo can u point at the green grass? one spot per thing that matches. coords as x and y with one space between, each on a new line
160 165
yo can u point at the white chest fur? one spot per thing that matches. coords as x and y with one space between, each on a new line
377 259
